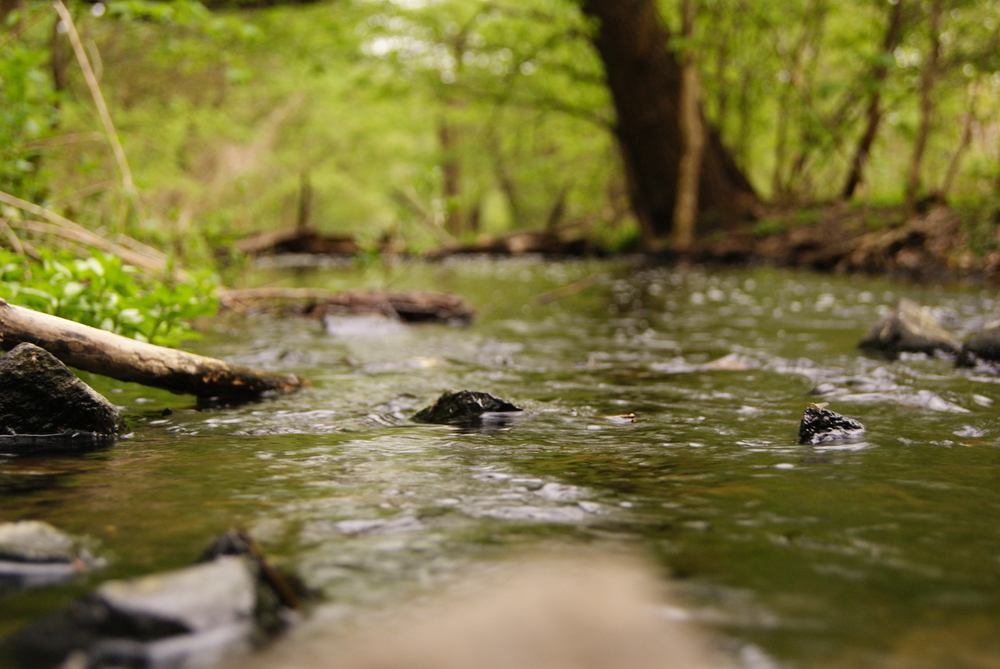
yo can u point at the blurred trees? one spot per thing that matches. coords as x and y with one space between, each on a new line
434 120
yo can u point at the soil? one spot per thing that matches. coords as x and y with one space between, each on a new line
933 245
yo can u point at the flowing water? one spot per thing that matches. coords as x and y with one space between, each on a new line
882 553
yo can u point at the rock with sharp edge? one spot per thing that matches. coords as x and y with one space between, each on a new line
466 407
821 426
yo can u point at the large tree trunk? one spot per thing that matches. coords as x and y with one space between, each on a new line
644 77
125 359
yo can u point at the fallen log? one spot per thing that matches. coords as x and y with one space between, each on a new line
543 242
409 306
125 359
305 239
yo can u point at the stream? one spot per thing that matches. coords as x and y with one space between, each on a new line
883 553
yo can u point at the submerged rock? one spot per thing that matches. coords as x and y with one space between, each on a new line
982 347
33 554
43 405
466 407
909 328
821 426
190 617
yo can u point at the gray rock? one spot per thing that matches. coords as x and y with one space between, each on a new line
35 541
34 554
192 617
40 396
821 426
466 407
982 347
909 328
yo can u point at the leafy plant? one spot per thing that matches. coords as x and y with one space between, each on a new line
102 292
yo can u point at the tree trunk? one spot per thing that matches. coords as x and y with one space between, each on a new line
879 74
926 107
686 208
451 172
125 359
644 78
963 144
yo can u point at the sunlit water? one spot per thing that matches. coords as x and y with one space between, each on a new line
884 553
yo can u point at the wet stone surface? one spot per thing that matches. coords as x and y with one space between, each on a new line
195 616
822 426
909 328
34 554
40 397
983 347
466 407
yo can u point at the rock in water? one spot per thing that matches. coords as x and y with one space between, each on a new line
192 617
982 347
466 407
822 426
40 396
909 328
33 554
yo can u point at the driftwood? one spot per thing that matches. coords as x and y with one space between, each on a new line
410 306
125 359
545 242
305 239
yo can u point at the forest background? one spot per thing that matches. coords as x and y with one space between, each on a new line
414 125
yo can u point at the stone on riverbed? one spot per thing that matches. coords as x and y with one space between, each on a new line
910 328
982 347
821 426
33 554
44 406
190 617
466 407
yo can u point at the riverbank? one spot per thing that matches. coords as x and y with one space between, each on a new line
940 243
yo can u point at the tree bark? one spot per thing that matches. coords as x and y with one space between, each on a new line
125 359
644 78
927 79
686 208
879 74
963 144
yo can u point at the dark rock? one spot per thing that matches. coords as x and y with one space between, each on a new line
33 554
466 407
982 347
909 328
190 617
40 396
822 426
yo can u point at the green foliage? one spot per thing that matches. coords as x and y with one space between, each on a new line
102 292
28 112
221 112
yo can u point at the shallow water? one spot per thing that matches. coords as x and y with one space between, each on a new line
882 553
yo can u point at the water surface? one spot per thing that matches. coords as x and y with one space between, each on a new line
884 553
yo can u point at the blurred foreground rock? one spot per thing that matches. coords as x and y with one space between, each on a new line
34 554
910 328
593 613
193 617
44 406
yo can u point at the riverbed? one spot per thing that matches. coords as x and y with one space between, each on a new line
872 554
